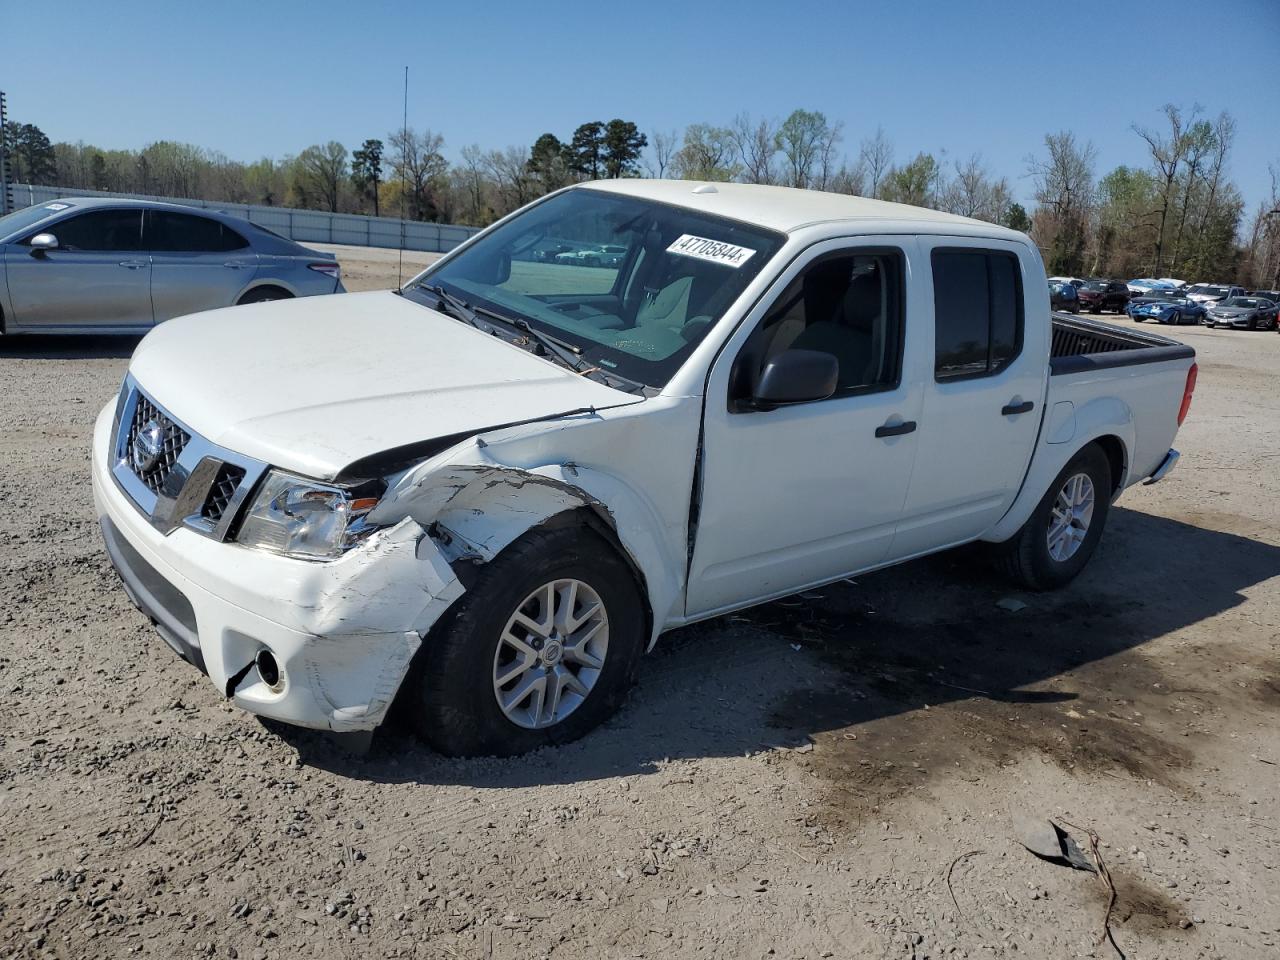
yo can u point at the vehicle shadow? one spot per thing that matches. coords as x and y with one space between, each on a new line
860 659
39 346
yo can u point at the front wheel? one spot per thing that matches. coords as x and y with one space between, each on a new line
539 650
1055 543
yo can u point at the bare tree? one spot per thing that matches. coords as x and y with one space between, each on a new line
417 162
970 187
510 171
850 180
665 146
757 145
473 181
1200 144
1167 152
827 155
1064 191
876 155
1224 136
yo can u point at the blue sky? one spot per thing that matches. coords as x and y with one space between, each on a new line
263 78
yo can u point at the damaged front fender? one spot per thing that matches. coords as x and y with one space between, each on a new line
476 506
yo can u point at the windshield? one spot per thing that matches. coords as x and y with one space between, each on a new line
1215 291
1249 302
20 220
634 284
1095 285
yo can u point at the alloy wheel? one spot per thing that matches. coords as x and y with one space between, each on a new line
551 653
1070 518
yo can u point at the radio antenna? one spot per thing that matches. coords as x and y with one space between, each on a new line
404 173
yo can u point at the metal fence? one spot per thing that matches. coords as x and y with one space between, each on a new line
305 226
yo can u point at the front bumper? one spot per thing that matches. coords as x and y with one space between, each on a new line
343 632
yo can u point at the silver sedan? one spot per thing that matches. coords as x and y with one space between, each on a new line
122 266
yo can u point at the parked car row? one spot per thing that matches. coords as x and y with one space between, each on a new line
1169 301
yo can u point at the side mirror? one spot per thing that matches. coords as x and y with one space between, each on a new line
41 243
796 376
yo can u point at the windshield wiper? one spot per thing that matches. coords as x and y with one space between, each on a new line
460 309
570 354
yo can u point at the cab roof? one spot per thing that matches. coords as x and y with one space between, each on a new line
788 209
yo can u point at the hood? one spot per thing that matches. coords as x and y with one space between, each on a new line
314 384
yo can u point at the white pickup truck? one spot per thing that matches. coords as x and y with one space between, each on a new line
489 492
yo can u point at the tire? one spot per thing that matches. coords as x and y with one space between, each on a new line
1027 557
454 685
264 295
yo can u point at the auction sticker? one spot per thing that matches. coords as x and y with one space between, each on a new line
713 251
56 206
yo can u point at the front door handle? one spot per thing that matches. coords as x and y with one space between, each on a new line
133 264
896 429
1013 409
236 264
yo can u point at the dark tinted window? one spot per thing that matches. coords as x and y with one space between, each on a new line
847 305
101 230
977 301
183 233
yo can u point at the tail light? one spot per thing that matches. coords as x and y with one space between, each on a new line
1187 392
328 269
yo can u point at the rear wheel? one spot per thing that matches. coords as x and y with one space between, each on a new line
539 650
1055 543
264 295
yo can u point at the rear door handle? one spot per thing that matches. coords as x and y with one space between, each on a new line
896 429
1013 409
133 264
236 264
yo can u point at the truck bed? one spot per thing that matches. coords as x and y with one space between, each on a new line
1080 345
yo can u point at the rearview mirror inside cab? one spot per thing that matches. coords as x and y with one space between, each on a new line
796 376
493 270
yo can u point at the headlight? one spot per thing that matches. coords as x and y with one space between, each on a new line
306 519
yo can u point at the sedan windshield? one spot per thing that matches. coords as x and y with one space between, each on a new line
20 220
632 285
1248 302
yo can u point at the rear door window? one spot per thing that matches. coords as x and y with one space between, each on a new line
107 231
978 316
185 233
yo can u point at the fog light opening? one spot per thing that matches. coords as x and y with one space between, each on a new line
268 669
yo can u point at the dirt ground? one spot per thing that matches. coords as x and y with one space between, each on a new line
832 776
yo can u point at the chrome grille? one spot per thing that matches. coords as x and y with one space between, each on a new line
176 477
221 492
175 440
